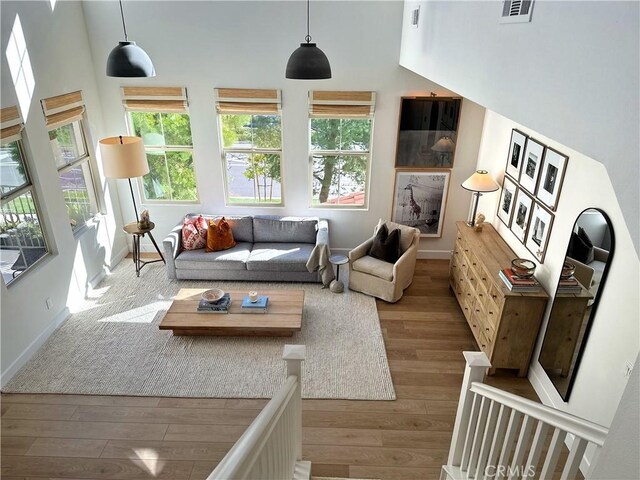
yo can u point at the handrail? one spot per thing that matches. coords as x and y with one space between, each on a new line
567 422
250 443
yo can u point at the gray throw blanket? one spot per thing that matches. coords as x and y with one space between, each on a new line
319 260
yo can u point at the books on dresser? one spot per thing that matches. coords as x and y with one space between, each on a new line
569 285
518 284
219 306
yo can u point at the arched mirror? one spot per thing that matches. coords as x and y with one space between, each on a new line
586 264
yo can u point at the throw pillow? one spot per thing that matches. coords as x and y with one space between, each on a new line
386 246
194 233
219 236
581 247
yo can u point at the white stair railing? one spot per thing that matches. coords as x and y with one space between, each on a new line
492 434
271 447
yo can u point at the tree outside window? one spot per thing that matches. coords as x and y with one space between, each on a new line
340 152
252 151
169 148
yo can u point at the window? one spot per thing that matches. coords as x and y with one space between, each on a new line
341 124
251 135
159 116
22 241
64 116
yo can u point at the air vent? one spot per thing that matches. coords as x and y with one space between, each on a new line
415 17
516 11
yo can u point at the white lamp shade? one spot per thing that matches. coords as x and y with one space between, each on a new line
123 157
445 144
480 181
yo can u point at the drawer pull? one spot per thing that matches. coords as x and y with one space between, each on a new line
490 312
474 326
477 310
484 346
486 328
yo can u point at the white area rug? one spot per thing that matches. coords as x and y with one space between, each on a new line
113 347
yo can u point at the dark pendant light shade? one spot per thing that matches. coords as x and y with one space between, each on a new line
308 62
127 59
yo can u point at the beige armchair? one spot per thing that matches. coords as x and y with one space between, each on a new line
381 279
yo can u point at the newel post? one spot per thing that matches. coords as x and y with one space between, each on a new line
294 355
475 370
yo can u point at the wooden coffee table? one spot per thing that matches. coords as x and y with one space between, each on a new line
283 316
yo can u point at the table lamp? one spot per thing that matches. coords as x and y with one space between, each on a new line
124 157
478 183
444 147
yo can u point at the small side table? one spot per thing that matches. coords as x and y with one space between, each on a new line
338 260
137 232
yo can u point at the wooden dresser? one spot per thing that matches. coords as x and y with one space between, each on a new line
505 324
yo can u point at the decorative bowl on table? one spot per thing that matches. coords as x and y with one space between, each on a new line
212 295
568 269
523 268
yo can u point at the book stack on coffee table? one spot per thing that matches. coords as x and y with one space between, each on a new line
259 306
219 306
518 284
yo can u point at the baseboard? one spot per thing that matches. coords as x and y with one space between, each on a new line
25 356
435 254
117 258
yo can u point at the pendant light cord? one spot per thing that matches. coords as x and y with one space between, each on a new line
124 27
308 37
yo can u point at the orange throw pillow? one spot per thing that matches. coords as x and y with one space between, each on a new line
219 236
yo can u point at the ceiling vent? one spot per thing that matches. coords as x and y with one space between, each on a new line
516 11
415 17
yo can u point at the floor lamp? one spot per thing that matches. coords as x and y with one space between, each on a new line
478 183
124 157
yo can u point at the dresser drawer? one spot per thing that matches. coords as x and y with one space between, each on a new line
486 344
496 295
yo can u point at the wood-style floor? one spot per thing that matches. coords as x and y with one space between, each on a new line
101 437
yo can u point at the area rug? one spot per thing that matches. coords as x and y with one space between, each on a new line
112 346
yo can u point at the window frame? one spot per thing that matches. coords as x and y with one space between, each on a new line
95 201
342 153
163 148
30 188
251 151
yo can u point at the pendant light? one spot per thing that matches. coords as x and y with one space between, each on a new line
308 62
127 59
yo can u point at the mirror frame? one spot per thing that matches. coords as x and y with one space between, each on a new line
594 306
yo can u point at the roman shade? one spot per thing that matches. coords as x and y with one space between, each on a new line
155 99
62 109
341 104
11 125
247 101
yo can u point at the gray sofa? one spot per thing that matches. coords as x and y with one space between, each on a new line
269 248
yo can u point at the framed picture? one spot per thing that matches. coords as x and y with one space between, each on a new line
507 200
539 231
531 164
428 132
521 215
419 200
551 178
516 152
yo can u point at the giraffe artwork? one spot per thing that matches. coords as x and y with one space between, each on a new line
420 199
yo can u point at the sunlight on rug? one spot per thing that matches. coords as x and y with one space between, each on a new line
112 346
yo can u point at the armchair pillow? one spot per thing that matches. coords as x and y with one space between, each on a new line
581 247
386 246
219 236
194 233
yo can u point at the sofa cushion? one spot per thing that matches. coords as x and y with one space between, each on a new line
194 233
232 259
241 226
286 230
375 267
219 236
406 233
385 245
279 257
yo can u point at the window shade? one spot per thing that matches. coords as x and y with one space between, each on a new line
11 124
247 100
155 99
341 104
62 109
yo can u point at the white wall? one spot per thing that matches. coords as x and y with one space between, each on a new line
614 339
58 47
571 74
202 45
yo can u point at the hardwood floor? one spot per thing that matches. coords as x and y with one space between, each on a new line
101 437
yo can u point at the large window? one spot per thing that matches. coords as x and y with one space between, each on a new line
340 124
22 241
160 116
64 116
251 134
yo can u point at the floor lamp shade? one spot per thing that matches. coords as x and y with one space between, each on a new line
123 157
